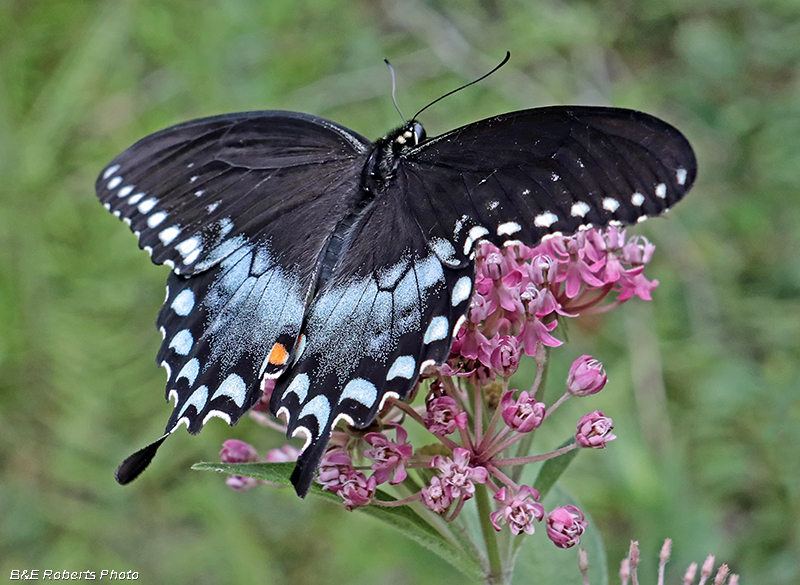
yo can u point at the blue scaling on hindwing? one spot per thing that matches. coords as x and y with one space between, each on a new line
211 348
364 344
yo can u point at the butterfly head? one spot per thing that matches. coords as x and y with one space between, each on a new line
388 152
412 134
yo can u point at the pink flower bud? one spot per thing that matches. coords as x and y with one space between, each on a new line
357 490
443 416
241 483
235 451
504 358
594 430
492 265
565 526
586 376
335 469
523 414
284 454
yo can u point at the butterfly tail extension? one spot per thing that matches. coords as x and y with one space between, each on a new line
307 464
134 465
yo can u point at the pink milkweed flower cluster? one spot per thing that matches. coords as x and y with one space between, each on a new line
471 415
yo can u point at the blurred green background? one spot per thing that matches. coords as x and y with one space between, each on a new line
705 381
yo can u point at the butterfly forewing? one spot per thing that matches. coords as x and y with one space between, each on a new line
189 191
523 175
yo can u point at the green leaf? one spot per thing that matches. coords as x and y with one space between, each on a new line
553 468
401 518
274 472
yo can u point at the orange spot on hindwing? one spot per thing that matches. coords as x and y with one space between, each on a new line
278 355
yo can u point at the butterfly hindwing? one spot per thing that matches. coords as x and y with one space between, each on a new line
389 311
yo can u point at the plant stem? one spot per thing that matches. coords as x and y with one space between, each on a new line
496 574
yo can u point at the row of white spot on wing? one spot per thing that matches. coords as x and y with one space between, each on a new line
319 407
581 208
232 387
114 182
189 249
358 389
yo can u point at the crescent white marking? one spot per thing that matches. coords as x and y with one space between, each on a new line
234 388
190 370
361 391
402 367
437 330
319 408
198 399
216 414
182 342
299 386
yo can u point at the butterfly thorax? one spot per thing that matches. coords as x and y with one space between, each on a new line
377 173
386 155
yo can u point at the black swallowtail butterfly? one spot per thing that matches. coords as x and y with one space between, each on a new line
302 252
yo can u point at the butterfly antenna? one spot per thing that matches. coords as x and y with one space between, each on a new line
481 78
394 86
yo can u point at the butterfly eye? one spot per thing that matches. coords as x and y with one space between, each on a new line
419 133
